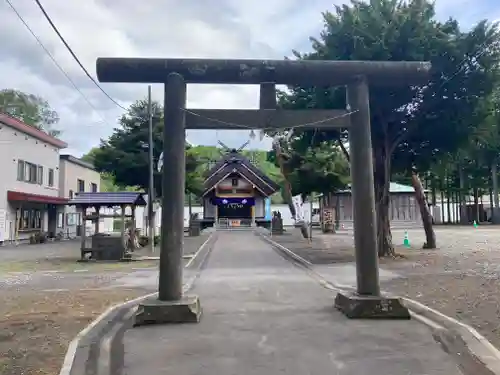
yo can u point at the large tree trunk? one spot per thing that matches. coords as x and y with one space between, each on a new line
337 212
430 236
190 205
494 204
476 205
382 201
463 203
448 205
442 206
288 190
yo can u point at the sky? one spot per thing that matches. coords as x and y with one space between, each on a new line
160 28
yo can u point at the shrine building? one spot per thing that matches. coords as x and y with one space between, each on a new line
235 193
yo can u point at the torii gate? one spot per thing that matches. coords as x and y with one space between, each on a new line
171 306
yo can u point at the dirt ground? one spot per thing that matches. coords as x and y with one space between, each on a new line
460 278
36 328
64 256
48 298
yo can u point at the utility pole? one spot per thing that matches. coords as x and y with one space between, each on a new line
151 213
311 198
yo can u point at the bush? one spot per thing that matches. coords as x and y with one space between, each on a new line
38 238
42 237
143 241
157 240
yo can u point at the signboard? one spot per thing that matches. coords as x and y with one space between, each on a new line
235 223
3 221
328 216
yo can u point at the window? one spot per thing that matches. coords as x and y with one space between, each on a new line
30 219
51 177
71 194
20 170
234 182
93 187
81 185
73 219
30 171
40 175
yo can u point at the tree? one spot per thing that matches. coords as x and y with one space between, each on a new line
320 169
30 109
411 126
108 183
125 154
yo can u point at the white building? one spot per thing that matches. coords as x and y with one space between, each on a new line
29 188
75 175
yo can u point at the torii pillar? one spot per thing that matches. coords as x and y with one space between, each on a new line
172 306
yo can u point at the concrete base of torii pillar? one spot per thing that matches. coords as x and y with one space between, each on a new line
153 311
355 306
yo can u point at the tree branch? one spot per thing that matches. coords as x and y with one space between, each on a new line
344 150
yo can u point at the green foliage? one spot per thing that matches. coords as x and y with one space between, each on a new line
31 109
319 169
108 183
407 120
123 158
125 154
412 127
475 158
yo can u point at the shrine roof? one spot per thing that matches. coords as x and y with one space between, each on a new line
108 199
235 162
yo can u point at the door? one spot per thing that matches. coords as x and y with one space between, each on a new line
52 220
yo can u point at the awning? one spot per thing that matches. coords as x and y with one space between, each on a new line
18 196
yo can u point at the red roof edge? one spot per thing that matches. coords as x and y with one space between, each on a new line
30 130
36 198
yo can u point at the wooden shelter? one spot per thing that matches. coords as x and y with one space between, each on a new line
106 246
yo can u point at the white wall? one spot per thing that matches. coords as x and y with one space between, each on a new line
15 146
228 183
70 173
141 214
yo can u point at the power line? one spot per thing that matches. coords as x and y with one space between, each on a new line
40 43
54 27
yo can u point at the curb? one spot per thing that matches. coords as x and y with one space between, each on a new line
471 350
94 349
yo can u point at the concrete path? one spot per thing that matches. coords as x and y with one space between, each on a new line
262 315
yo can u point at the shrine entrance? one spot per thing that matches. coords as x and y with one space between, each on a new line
175 74
235 211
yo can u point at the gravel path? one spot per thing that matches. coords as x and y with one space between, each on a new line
459 279
262 315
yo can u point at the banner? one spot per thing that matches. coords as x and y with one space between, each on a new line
267 209
297 203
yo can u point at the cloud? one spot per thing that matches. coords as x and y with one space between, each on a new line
158 28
